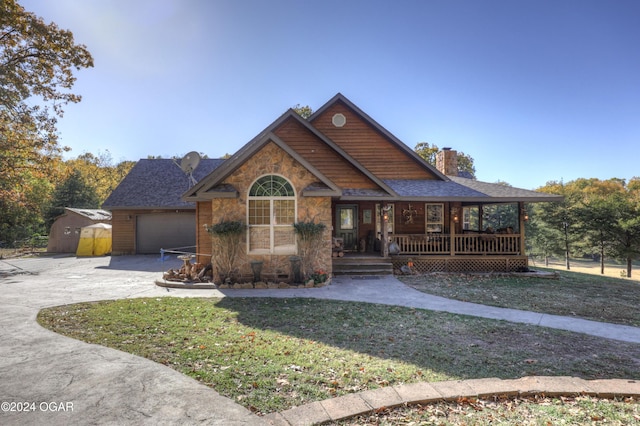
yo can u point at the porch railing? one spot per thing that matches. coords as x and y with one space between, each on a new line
458 244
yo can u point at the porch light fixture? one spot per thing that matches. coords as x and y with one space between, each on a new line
524 214
454 214
385 213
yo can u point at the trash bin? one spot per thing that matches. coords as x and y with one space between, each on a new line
296 266
256 268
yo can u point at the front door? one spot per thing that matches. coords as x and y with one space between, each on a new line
347 225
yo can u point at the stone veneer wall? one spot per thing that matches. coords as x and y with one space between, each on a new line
271 159
447 162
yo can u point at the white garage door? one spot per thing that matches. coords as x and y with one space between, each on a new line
164 230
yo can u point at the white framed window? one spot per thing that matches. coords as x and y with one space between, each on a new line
470 218
271 212
434 217
390 221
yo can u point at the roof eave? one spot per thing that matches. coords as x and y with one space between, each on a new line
211 195
150 208
368 198
321 193
485 200
201 191
233 162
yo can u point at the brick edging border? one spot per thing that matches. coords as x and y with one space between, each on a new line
423 393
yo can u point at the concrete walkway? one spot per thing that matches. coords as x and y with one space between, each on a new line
65 381
388 290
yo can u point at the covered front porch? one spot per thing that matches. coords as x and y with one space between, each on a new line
432 236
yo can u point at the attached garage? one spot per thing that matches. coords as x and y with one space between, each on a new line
163 231
148 213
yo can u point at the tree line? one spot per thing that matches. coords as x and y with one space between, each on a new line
598 219
83 182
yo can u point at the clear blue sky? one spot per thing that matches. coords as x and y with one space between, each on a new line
532 90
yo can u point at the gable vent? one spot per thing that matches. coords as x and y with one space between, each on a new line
339 120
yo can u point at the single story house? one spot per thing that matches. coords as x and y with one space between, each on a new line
148 212
341 168
65 230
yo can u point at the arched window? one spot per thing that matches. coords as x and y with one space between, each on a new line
271 212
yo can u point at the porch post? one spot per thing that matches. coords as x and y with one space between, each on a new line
384 212
521 217
452 229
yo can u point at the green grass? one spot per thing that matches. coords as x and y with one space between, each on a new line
581 295
273 354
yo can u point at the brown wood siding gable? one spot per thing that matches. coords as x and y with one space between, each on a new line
368 146
322 157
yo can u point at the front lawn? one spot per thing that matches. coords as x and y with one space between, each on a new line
273 354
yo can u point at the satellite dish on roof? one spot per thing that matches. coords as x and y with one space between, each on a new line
189 163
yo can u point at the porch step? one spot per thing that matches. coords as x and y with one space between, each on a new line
362 266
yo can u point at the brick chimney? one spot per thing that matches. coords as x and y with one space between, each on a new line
447 162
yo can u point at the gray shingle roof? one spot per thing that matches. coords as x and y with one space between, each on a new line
463 189
157 183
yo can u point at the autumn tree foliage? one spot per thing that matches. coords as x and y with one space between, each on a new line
87 181
303 111
598 218
37 64
100 172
